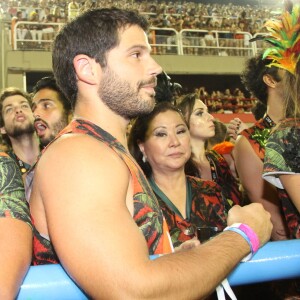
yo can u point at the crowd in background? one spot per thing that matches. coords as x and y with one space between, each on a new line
164 177
226 102
173 14
177 14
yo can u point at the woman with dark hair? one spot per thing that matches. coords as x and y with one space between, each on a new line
209 164
160 143
264 83
282 158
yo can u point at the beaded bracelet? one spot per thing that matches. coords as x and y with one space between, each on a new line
248 234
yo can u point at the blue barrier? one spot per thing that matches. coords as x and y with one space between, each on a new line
276 260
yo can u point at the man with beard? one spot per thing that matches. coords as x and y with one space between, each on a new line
93 209
16 125
51 109
52 112
16 122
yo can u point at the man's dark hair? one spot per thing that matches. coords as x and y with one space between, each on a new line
93 33
252 76
50 83
11 91
165 89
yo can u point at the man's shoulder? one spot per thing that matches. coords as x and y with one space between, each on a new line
75 144
75 151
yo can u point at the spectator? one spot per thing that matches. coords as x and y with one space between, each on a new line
16 124
35 29
210 165
15 229
160 143
73 9
91 74
281 166
266 84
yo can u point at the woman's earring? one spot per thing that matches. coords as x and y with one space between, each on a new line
144 159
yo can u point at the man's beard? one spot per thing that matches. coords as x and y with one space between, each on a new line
121 98
56 129
18 131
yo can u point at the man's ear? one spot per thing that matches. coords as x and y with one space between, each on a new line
2 130
85 68
269 81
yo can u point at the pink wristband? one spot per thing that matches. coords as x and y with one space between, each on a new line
250 234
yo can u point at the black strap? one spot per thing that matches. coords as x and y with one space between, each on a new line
268 121
24 167
164 198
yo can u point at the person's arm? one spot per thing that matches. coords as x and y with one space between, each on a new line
15 255
15 229
85 187
291 183
249 168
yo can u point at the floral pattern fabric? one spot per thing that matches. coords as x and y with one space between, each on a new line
207 210
12 196
147 213
257 135
225 179
283 157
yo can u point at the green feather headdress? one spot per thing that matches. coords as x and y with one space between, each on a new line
284 36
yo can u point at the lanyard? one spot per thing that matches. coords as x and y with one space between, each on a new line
268 121
164 198
213 169
24 167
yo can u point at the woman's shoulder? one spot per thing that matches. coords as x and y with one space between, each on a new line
288 124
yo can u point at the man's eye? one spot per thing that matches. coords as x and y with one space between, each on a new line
8 110
136 54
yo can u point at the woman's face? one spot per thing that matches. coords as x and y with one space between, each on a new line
167 143
201 122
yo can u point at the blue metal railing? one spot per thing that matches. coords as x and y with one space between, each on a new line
275 260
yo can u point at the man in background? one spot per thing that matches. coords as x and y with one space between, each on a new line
52 112
17 129
51 109
89 193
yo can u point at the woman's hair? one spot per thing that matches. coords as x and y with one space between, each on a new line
186 104
292 93
259 110
252 76
139 130
220 134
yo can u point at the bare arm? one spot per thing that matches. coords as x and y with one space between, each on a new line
15 229
15 255
100 245
291 184
249 168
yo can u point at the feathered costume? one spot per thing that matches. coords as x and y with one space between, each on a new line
285 40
